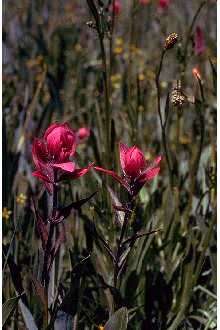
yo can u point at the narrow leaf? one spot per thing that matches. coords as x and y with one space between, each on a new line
118 321
64 212
27 317
8 308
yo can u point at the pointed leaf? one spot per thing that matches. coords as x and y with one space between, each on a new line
123 148
64 212
41 226
27 317
67 167
118 321
39 290
114 175
120 212
8 308
77 173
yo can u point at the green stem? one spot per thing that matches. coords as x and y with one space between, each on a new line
185 51
107 100
163 125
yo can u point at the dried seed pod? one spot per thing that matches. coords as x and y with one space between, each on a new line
177 97
171 40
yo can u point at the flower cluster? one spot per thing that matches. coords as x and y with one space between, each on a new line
53 157
53 154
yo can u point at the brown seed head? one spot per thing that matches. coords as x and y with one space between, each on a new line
171 40
177 98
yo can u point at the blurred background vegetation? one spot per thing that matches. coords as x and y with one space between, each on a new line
52 71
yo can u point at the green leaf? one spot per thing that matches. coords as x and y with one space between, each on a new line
8 308
118 321
27 317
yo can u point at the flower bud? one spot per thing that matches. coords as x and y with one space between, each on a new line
196 74
82 134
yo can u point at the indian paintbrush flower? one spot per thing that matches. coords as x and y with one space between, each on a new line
135 168
51 155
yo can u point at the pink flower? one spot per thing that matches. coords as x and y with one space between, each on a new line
51 155
199 41
163 4
136 170
116 7
82 134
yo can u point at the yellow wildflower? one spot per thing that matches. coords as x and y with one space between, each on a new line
118 50
116 80
21 199
141 76
6 213
119 43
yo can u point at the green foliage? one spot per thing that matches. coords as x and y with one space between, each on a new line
109 78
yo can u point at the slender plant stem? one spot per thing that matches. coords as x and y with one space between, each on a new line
107 100
111 43
128 213
163 125
185 51
47 255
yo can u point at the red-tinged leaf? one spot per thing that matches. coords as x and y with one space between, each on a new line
123 148
39 290
77 173
41 176
47 182
41 226
67 167
114 175
39 153
64 212
154 163
151 173
157 160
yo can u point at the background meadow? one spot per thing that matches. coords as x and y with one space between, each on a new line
108 66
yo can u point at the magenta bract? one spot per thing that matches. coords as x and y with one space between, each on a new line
52 153
136 170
